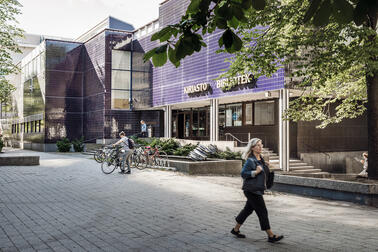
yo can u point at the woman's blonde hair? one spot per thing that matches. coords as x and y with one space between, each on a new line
248 150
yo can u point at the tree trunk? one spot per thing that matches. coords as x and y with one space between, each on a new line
372 111
372 114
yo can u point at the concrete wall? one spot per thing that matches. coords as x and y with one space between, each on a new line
334 162
353 166
348 135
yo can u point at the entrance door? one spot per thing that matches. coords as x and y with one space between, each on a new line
180 125
187 124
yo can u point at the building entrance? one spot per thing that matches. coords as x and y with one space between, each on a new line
191 124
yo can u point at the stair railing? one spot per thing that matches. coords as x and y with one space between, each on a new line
234 138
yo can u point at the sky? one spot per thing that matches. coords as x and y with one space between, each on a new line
72 18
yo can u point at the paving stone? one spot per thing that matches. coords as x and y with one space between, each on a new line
68 204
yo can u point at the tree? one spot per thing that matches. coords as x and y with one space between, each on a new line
332 44
8 45
332 59
204 16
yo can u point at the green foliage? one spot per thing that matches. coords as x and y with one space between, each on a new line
205 16
6 89
329 63
78 144
8 45
64 145
168 145
184 150
1 143
228 154
139 141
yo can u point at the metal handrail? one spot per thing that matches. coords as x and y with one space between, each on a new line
235 138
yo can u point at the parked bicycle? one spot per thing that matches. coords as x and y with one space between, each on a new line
135 158
153 157
100 154
112 160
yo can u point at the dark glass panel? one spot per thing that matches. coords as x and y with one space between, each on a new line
264 113
33 98
141 80
120 79
139 64
62 55
121 60
64 84
120 99
141 99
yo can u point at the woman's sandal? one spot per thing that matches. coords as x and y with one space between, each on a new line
275 238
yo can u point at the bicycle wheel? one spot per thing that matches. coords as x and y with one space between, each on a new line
108 166
134 160
99 156
143 161
161 159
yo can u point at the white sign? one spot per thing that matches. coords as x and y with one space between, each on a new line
201 87
238 80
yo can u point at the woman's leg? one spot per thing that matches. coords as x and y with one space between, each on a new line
258 204
262 213
245 212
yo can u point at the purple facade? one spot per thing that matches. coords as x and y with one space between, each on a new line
202 67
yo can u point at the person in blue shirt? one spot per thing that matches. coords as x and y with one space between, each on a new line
254 174
143 129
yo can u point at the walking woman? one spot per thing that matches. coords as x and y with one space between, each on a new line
254 174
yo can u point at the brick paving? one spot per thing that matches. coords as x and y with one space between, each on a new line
68 204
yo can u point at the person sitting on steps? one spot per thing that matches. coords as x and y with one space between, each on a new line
364 161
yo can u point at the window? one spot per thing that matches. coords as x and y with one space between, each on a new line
130 83
264 113
221 117
139 64
202 123
120 99
121 60
195 123
234 115
121 66
141 80
248 114
120 79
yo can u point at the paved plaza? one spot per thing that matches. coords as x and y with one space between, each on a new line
68 204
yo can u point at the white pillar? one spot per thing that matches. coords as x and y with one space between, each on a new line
284 147
168 121
214 114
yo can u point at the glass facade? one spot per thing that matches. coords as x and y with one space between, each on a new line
131 80
121 79
264 113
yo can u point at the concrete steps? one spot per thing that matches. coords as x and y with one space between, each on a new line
296 167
